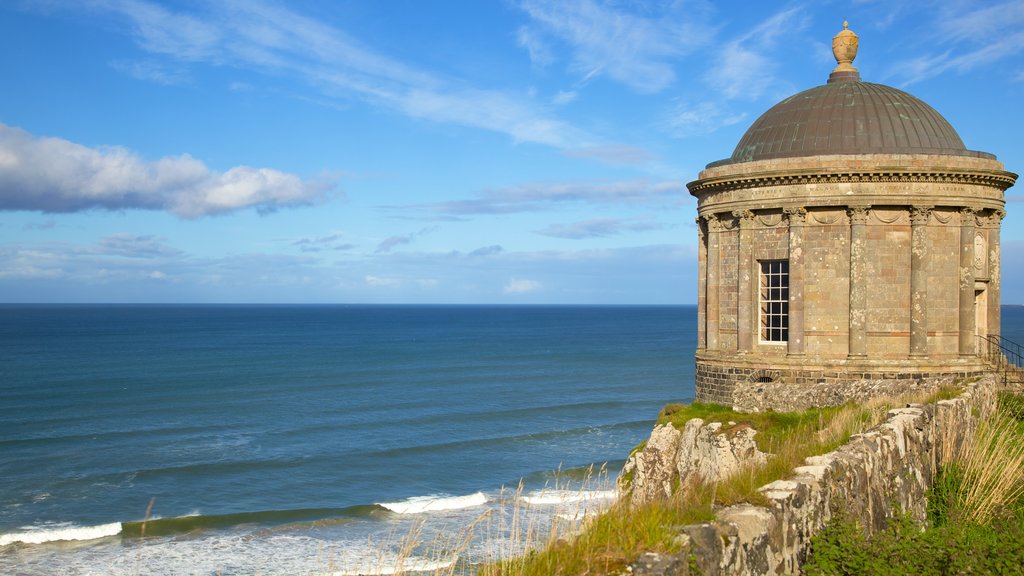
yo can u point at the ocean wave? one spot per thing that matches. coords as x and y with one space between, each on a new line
420 504
61 533
554 497
196 522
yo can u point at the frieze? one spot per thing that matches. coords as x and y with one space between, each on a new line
795 216
995 180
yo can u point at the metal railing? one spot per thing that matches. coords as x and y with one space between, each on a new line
1005 355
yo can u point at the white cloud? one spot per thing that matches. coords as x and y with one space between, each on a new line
381 281
539 196
686 119
564 97
539 51
153 71
600 227
743 68
629 47
157 275
268 37
969 38
521 286
56 175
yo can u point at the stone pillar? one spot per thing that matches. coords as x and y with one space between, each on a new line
919 280
994 265
744 285
858 347
967 344
713 287
796 218
702 284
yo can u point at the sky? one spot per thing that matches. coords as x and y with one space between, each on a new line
410 151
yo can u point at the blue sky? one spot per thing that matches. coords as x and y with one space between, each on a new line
416 151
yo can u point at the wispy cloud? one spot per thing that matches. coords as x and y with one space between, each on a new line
969 38
600 227
153 71
540 196
392 242
487 251
744 68
136 246
56 175
632 48
268 37
687 119
522 286
334 241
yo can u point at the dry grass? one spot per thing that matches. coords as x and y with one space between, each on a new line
990 465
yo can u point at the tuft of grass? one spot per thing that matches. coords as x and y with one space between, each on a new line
610 541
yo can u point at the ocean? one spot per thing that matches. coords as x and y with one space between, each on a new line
269 440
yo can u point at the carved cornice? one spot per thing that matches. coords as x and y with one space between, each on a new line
1000 180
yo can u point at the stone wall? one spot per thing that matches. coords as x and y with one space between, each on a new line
788 386
875 476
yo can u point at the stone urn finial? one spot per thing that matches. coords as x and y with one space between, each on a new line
844 48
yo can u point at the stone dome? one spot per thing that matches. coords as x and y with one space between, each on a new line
848 116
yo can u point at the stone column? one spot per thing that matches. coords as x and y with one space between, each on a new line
994 222
796 218
713 287
702 284
858 347
744 285
967 344
919 280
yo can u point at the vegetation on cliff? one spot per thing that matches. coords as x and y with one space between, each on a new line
608 543
975 512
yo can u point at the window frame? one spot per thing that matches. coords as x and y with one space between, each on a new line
773 302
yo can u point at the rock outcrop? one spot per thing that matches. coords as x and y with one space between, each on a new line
672 457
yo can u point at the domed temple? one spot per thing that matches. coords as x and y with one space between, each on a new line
849 247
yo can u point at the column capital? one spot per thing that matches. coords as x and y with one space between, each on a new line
744 217
858 214
919 215
796 215
968 216
714 224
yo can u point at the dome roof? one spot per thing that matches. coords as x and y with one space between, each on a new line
848 116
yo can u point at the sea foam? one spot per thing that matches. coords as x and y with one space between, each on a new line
409 565
554 497
420 504
43 535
